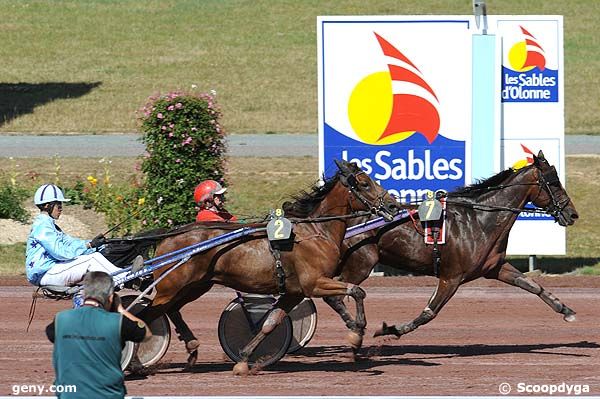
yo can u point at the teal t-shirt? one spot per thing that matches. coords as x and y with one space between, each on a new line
87 353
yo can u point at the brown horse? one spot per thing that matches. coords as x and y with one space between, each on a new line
479 218
248 264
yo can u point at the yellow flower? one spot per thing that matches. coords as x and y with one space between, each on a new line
141 201
119 198
93 181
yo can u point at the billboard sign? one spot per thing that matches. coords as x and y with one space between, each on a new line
397 96
394 97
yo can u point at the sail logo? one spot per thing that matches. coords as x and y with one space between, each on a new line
527 78
394 117
389 106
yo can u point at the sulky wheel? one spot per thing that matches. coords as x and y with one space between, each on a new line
239 323
151 351
304 324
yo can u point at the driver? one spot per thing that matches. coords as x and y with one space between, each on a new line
209 195
53 257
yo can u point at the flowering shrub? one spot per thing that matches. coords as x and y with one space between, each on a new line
185 145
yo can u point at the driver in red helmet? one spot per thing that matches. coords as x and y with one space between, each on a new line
209 195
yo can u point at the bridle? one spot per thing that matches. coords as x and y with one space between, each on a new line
349 180
544 181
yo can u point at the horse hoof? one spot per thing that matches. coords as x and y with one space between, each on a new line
192 345
136 367
241 368
570 317
381 331
191 361
387 330
355 340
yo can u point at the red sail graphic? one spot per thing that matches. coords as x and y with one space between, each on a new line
409 112
534 58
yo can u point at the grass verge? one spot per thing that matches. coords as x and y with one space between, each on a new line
87 66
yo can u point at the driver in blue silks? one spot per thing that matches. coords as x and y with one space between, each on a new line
52 256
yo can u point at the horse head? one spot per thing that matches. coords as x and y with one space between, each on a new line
552 196
370 194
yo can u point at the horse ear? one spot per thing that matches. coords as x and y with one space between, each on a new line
541 156
342 165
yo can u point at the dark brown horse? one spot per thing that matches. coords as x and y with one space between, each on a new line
248 264
479 218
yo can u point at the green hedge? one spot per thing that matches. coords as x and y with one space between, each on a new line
185 145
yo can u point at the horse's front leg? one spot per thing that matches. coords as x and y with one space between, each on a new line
329 288
445 290
284 305
509 275
337 304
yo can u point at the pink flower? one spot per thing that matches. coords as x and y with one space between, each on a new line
159 115
171 108
178 160
179 105
163 127
170 134
171 125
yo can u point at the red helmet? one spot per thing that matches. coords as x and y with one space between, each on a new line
206 190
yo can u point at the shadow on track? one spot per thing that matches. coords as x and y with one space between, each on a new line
375 356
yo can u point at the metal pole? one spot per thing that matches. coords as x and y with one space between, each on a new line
532 263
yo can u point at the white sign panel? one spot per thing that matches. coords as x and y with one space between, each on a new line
395 97
533 115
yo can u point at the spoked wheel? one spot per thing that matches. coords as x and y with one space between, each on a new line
304 324
151 351
240 322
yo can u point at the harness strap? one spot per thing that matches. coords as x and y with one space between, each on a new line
437 256
32 308
279 272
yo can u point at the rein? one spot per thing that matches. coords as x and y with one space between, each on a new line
322 219
554 209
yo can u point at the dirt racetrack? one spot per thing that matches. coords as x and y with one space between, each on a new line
487 335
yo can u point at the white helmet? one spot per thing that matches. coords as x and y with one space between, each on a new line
48 193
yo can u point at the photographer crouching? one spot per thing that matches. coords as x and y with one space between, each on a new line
88 341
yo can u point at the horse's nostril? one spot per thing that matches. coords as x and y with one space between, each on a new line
574 216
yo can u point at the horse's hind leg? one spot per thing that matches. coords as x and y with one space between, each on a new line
183 331
284 305
445 290
186 335
509 275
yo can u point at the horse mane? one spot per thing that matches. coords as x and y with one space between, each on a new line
306 201
482 186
